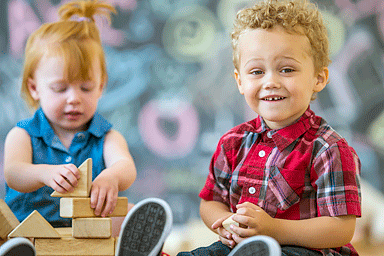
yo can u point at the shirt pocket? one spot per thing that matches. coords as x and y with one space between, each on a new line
284 187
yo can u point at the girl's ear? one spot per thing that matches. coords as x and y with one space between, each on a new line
322 79
32 88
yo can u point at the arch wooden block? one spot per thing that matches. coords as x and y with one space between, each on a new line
228 222
8 220
83 187
34 226
78 207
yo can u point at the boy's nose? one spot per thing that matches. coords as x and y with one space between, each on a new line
271 81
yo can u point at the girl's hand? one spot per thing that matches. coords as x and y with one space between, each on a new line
104 193
224 235
253 221
62 178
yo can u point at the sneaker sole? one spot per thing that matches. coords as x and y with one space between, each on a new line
145 228
17 246
258 245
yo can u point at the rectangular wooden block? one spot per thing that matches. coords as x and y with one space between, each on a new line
64 232
77 207
92 227
70 246
8 220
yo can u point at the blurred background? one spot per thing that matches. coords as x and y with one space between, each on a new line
172 94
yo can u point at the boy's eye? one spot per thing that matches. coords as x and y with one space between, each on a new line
257 72
287 70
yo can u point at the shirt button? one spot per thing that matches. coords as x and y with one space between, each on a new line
68 159
252 190
81 136
269 135
261 153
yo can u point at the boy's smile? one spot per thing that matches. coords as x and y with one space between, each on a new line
277 75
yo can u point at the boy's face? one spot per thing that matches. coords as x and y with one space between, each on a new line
68 105
277 75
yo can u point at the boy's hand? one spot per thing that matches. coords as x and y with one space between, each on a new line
104 193
224 235
62 178
255 220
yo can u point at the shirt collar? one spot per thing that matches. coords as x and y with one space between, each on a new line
286 136
42 128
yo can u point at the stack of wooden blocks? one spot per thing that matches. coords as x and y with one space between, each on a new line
89 235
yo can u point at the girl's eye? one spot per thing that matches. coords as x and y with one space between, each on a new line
58 88
87 87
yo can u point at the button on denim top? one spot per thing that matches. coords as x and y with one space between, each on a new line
48 149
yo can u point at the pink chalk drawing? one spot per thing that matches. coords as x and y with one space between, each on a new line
23 21
156 139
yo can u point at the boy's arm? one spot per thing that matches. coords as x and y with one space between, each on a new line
213 214
119 174
23 176
211 211
320 232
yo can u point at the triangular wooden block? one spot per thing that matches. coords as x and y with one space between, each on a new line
84 186
34 226
8 220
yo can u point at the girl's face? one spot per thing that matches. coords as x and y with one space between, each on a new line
68 106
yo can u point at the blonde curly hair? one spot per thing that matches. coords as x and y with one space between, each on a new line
75 38
296 16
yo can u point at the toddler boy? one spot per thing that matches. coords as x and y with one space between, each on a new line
287 174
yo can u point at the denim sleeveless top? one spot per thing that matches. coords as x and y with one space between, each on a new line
48 149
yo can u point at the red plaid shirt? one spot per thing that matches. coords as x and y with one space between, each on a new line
302 171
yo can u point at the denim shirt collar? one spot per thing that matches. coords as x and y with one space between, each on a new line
41 128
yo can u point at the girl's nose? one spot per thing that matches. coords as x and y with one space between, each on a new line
73 96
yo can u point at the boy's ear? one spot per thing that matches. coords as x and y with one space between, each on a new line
32 88
322 79
238 81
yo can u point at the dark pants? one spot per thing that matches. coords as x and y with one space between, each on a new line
219 249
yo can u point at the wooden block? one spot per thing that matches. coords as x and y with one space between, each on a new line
70 246
2 241
83 187
77 207
8 220
228 222
92 228
34 226
64 232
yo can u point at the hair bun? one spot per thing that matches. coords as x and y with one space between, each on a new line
85 10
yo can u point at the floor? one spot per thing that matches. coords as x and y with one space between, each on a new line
196 234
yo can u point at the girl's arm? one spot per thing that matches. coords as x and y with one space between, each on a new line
320 232
119 174
23 176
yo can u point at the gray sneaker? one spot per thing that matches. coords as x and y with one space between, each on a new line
257 245
17 246
145 228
